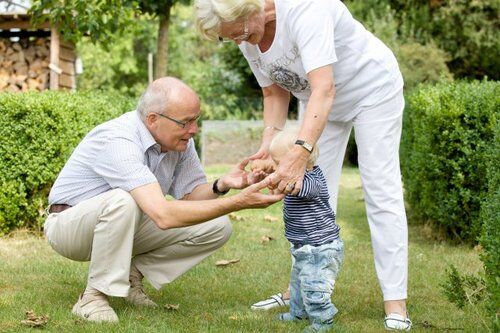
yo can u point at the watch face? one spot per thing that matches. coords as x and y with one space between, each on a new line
304 144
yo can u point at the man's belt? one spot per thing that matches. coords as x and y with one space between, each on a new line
57 208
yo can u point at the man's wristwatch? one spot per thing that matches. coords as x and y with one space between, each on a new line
216 190
305 145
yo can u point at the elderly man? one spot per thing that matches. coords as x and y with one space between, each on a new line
108 204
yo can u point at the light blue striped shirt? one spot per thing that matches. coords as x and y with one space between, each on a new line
122 153
309 218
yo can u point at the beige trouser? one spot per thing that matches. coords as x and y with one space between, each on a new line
111 231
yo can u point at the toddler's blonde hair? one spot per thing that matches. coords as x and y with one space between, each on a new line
285 140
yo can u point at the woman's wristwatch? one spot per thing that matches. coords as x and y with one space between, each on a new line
216 190
305 145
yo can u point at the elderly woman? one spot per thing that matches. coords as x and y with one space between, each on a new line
344 77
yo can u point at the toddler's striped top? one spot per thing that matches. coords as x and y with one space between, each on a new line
309 218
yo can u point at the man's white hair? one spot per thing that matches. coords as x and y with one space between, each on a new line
159 95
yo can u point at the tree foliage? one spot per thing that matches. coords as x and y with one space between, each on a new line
466 30
96 19
100 19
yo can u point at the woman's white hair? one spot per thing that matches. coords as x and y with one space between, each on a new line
210 14
284 141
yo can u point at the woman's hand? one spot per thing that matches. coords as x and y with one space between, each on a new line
261 154
288 176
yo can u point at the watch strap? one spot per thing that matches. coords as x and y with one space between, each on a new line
305 145
216 190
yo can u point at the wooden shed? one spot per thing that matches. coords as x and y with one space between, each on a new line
34 58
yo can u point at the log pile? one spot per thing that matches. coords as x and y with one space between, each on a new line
24 65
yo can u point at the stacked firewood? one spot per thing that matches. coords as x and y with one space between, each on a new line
24 65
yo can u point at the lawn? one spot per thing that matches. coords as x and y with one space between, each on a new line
215 299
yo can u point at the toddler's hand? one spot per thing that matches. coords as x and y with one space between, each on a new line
267 166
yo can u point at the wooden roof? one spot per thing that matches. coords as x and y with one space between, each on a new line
19 20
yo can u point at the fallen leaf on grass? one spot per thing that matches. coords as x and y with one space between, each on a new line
33 320
236 218
234 317
266 239
171 307
269 218
222 263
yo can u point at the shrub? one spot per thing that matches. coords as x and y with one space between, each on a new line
468 30
38 132
422 64
490 238
448 128
466 290
465 30
418 62
463 289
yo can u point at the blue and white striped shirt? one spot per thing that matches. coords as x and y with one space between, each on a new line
309 218
122 153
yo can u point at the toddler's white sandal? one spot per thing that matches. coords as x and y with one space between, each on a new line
270 303
396 322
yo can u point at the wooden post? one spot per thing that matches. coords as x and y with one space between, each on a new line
150 67
54 58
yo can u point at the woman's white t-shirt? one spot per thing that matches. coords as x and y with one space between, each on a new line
314 33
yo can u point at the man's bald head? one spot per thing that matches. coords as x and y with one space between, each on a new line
163 94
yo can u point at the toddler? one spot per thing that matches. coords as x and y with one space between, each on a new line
316 247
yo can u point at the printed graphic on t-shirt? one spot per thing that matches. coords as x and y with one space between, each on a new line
279 71
287 79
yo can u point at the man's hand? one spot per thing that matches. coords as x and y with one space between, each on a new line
290 172
238 177
251 197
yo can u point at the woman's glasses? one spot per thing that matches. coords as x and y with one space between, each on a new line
244 36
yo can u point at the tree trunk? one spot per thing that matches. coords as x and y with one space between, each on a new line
162 46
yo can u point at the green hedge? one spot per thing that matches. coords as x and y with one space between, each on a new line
38 132
449 153
490 238
444 154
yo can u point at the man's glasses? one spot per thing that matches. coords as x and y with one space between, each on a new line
244 36
182 124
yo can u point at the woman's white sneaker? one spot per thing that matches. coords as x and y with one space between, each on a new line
397 322
270 303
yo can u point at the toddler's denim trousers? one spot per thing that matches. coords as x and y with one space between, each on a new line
313 275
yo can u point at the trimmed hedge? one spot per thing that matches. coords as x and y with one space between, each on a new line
444 154
38 132
450 152
490 238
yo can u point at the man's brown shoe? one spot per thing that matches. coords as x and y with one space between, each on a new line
136 294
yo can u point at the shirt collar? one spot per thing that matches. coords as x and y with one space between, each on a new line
147 140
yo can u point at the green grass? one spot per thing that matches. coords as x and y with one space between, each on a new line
213 299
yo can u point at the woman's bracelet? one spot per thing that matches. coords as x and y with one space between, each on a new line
273 127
